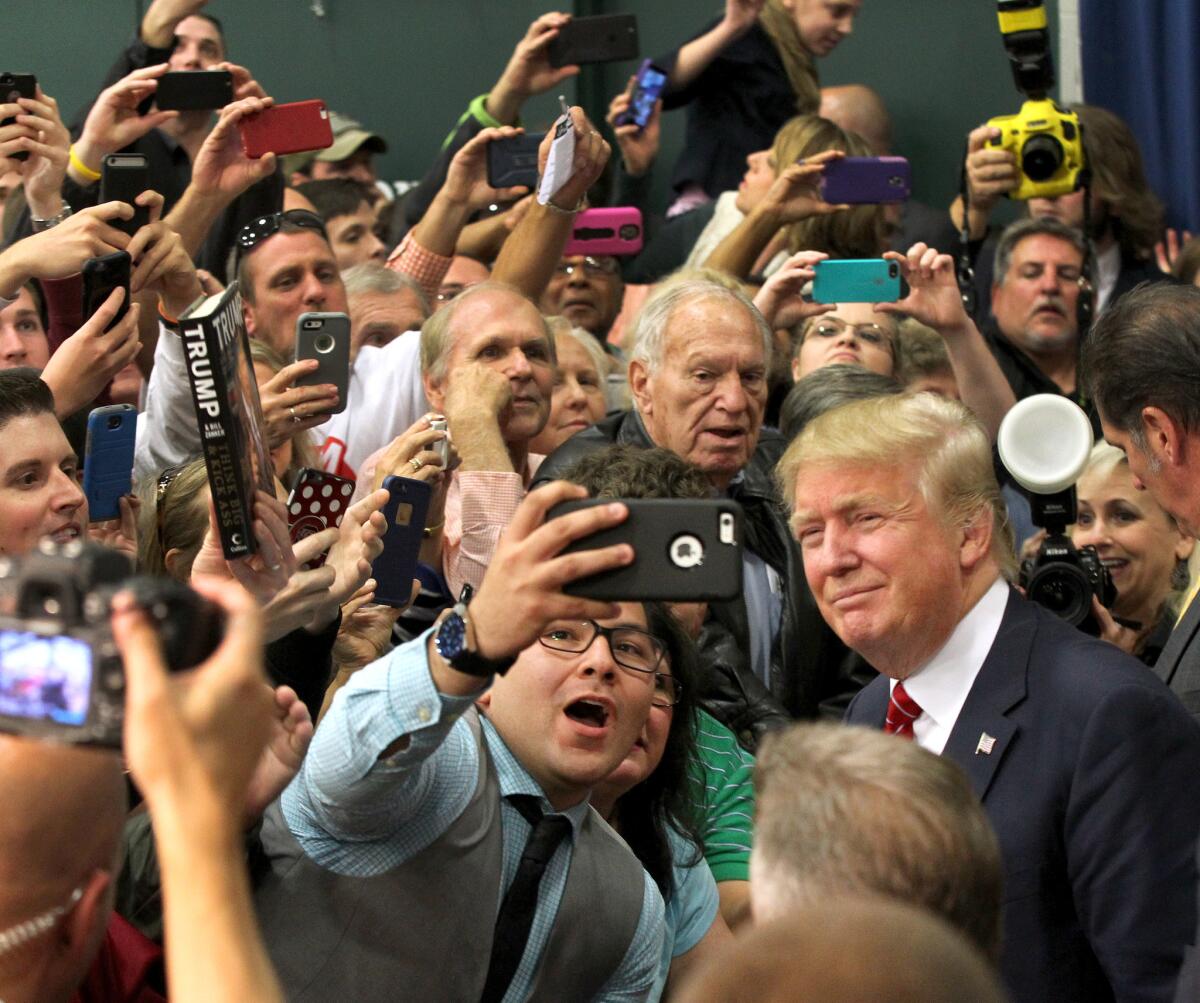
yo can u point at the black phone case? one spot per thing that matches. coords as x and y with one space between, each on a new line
326 338
123 177
405 511
13 86
687 550
100 277
605 38
514 161
194 90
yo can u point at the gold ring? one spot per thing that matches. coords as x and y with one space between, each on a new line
416 464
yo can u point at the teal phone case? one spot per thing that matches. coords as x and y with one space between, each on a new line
872 280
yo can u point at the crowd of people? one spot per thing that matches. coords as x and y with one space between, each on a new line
879 772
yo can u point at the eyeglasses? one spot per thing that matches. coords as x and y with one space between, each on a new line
667 690
872 334
631 648
258 230
591 266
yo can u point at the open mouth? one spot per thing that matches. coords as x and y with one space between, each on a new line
728 434
587 712
1115 564
64 534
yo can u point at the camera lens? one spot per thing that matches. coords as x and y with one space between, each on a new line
323 344
1041 156
1063 589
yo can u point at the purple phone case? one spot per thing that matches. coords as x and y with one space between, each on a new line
866 180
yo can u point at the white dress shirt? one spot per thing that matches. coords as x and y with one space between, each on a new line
941 685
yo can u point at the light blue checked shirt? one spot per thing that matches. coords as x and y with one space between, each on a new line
355 815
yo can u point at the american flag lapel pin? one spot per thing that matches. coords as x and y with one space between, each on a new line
986 744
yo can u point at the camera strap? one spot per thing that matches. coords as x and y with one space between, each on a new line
964 269
1085 304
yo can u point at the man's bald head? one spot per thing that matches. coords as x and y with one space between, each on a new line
858 109
845 950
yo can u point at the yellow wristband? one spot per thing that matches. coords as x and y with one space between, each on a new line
83 168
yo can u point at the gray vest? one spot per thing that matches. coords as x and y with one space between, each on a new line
423 930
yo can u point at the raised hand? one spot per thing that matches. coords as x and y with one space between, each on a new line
466 178
796 194
49 149
1166 251
62 251
934 298
591 157
639 147
991 171
86 362
741 14
290 736
779 300
114 122
221 169
529 71
289 410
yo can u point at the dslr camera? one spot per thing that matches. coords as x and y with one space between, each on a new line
1046 139
61 676
1044 443
1063 577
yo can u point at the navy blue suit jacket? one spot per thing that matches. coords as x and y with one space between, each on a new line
1091 786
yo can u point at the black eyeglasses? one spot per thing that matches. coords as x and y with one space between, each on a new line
631 648
591 266
667 690
258 230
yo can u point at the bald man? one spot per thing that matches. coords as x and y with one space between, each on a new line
60 841
845 950
858 109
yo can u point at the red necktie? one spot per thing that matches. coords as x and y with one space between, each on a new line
902 711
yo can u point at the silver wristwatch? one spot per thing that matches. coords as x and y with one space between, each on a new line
41 225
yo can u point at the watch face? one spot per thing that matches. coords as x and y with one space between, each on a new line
451 637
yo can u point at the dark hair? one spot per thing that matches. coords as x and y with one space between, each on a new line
664 798
23 394
216 23
39 302
623 471
1145 352
829 387
1187 265
335 197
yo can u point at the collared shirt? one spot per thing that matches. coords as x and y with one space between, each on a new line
941 685
762 591
354 814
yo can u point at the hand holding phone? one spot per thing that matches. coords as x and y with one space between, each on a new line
406 512
326 338
605 38
100 277
194 90
866 180
12 87
872 280
108 459
286 128
514 161
123 177
647 89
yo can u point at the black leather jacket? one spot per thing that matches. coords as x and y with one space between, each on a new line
811 670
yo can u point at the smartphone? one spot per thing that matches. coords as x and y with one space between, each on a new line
194 90
605 38
123 177
108 459
873 280
406 511
514 161
616 230
647 89
286 128
866 180
686 550
13 86
100 277
318 500
326 338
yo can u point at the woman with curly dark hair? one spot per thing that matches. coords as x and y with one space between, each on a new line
649 800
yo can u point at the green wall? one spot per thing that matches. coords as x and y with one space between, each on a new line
408 67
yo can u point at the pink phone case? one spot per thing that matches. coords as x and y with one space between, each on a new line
616 230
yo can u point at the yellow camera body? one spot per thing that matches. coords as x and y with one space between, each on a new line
1048 144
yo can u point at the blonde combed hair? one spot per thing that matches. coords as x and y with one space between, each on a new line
780 25
941 437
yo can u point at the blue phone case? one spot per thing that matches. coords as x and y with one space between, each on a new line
651 82
872 280
108 459
405 511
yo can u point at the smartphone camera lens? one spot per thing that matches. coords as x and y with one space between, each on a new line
687 551
323 344
629 231
114 421
893 270
725 528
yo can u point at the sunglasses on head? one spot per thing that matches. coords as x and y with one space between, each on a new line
258 230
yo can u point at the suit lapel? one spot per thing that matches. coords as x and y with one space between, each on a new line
1181 636
983 733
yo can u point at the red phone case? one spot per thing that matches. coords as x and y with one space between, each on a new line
615 230
318 501
287 128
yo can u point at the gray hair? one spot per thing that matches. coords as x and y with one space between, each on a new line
369 277
1022 228
437 336
650 326
825 826
829 387
1144 351
605 364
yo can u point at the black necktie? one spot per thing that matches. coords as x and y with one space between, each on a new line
520 901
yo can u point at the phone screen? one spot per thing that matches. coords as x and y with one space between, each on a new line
649 87
45 678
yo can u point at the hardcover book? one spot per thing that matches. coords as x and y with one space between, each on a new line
228 413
